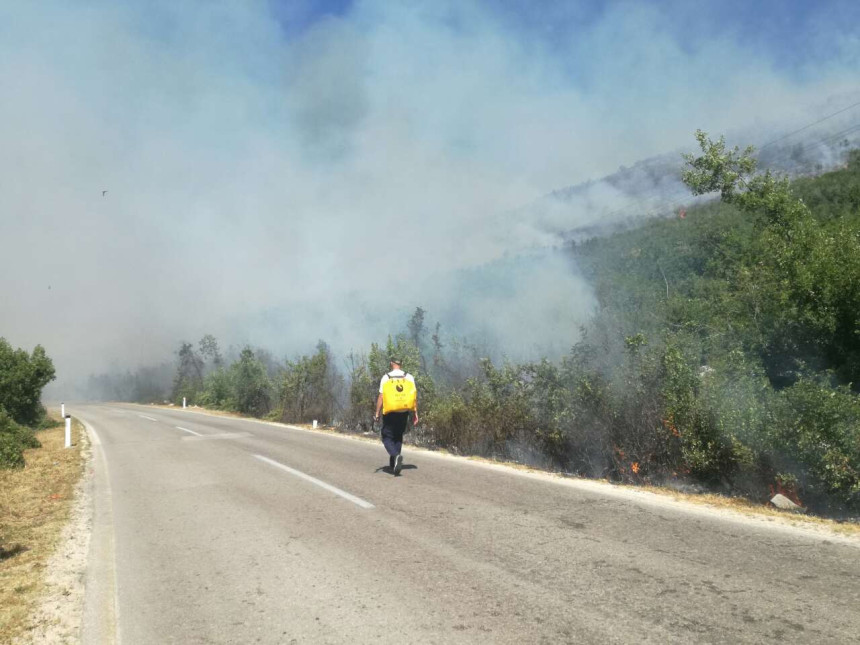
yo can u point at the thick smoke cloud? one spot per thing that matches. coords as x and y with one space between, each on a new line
273 182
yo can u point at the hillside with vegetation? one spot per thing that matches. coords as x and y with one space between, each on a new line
724 354
743 318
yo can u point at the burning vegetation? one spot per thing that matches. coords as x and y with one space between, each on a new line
724 352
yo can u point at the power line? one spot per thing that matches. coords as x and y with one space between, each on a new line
810 146
669 201
806 127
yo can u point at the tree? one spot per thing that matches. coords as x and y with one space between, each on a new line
188 381
417 332
310 387
209 350
219 390
733 174
799 284
22 378
362 393
438 347
252 385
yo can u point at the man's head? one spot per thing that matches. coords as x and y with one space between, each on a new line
395 361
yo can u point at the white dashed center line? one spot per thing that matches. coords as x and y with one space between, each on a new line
196 434
333 489
143 416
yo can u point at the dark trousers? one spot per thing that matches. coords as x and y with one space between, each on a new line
393 427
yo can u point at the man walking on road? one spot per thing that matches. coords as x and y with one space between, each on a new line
397 397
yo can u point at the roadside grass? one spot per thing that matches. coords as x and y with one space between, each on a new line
35 502
751 508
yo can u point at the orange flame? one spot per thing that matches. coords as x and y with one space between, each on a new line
788 491
674 430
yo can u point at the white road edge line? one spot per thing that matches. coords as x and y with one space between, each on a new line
100 612
337 491
187 430
143 416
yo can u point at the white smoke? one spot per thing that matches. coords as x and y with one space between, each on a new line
263 176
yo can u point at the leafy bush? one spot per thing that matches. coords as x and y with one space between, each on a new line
252 388
14 439
363 389
310 388
11 452
707 451
814 433
22 378
219 390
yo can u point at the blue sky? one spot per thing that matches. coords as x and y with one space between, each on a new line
790 33
297 15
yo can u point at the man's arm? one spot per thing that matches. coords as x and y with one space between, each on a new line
378 407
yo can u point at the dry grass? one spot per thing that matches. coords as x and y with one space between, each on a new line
34 506
748 507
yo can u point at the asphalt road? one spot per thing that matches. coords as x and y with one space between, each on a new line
217 530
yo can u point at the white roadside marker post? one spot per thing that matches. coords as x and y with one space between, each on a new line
63 410
315 424
68 431
183 402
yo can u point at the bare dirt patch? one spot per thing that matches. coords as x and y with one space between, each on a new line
36 503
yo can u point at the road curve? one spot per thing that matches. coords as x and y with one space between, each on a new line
223 530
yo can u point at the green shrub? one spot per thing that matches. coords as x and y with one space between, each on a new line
707 449
11 452
14 439
22 378
252 386
814 433
358 416
310 388
490 415
586 424
46 423
27 438
218 390
453 423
